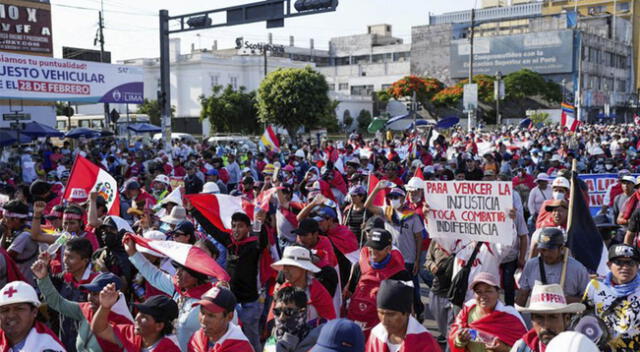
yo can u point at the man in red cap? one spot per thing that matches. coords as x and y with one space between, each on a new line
217 332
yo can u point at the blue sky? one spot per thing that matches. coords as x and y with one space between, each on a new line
132 26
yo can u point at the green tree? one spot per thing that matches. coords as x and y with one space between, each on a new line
329 119
347 120
230 111
526 84
293 98
364 119
152 109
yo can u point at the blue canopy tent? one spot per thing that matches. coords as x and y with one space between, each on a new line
9 137
82 132
143 127
447 122
35 130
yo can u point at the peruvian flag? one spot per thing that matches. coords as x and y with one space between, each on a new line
218 208
270 140
568 119
379 200
91 178
185 254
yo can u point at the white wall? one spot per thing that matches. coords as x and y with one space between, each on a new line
42 114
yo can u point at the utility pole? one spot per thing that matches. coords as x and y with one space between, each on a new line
164 95
472 112
101 40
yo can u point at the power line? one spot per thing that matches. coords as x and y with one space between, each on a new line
112 11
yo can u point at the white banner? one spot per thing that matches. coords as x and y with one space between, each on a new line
43 78
470 210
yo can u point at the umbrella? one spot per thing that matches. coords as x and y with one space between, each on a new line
143 127
35 129
399 123
106 133
82 132
447 122
525 123
376 124
9 137
423 122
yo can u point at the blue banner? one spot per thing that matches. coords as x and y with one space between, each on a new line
598 184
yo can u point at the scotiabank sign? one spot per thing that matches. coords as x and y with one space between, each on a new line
31 77
25 26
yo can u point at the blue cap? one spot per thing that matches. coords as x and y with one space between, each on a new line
184 226
101 281
212 172
325 213
340 335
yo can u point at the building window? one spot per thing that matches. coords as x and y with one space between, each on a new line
332 86
343 86
385 86
233 81
214 80
402 56
363 90
623 6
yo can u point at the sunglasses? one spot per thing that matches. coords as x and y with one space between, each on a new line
623 262
286 311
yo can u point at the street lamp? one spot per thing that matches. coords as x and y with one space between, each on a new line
498 92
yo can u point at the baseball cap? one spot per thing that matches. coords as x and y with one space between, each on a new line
486 278
306 226
555 204
185 226
374 222
217 299
325 213
340 335
550 237
101 281
624 250
398 192
160 307
18 292
212 172
378 239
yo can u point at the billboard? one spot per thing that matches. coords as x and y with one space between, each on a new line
85 54
25 26
43 78
542 52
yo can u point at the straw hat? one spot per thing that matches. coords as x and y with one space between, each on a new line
549 299
178 214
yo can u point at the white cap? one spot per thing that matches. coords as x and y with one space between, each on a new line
299 153
163 179
571 341
211 188
414 183
561 182
296 256
542 177
18 292
79 194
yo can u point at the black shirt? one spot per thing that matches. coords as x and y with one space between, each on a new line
242 260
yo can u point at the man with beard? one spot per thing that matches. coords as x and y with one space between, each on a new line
82 312
550 315
19 330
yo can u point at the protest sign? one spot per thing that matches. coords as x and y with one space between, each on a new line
44 78
598 184
470 210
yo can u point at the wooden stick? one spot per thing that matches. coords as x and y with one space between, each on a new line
574 193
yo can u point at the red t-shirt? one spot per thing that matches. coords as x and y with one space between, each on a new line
132 342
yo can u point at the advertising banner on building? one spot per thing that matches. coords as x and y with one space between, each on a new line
42 78
542 52
470 210
598 184
25 26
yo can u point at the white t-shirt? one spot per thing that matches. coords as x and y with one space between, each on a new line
393 347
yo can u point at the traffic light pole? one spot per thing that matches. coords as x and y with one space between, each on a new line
273 12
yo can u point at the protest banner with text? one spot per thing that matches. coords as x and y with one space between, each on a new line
470 210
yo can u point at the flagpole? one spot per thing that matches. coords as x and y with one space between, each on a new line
573 194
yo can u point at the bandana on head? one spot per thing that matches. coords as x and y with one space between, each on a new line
294 325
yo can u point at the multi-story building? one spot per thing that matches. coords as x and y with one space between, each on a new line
589 55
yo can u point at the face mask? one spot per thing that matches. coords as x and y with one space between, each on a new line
558 195
296 324
608 166
396 203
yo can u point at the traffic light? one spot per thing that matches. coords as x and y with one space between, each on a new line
311 5
199 21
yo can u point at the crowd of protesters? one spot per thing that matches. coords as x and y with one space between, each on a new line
320 265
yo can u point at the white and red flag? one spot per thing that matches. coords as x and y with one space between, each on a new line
184 254
88 176
218 208
270 140
568 117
